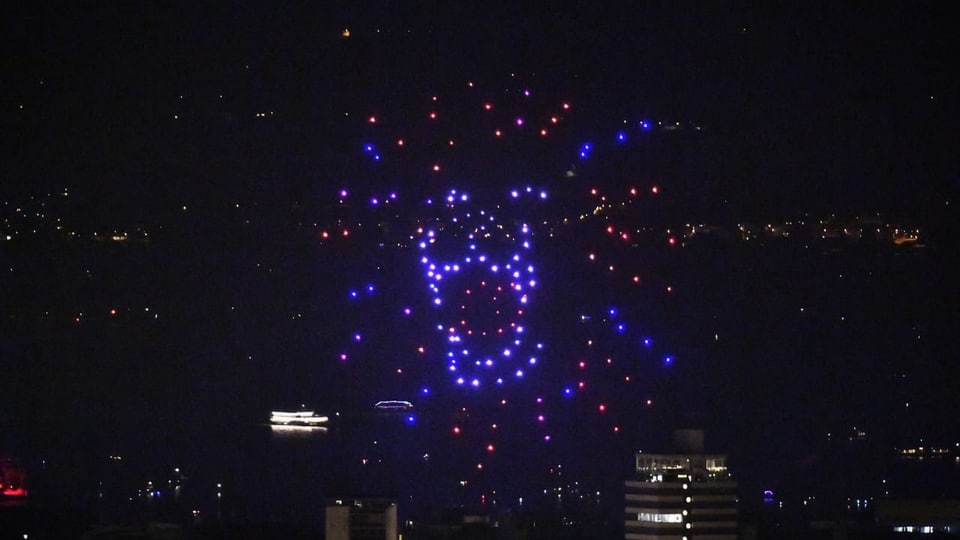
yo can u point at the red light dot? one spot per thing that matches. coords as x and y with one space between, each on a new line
113 312
433 116
399 142
498 133
346 232
488 106
602 407
636 279
583 364
672 241
436 168
554 119
654 190
325 235
543 132
490 448
566 106
456 430
372 119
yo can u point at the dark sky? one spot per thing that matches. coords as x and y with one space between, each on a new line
824 104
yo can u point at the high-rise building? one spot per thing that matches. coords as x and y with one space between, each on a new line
688 495
361 519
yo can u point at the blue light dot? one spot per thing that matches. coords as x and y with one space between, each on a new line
568 392
667 360
647 342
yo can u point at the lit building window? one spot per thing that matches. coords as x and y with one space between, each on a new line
659 518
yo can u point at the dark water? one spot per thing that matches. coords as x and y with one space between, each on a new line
174 380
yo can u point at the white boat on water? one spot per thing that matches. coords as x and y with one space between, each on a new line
393 405
297 418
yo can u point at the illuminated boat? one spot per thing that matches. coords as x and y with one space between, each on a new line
393 406
297 418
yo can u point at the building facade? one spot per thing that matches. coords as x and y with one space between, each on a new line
687 496
361 519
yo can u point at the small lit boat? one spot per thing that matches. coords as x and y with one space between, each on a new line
297 418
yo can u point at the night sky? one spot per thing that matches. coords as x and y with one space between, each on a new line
208 212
